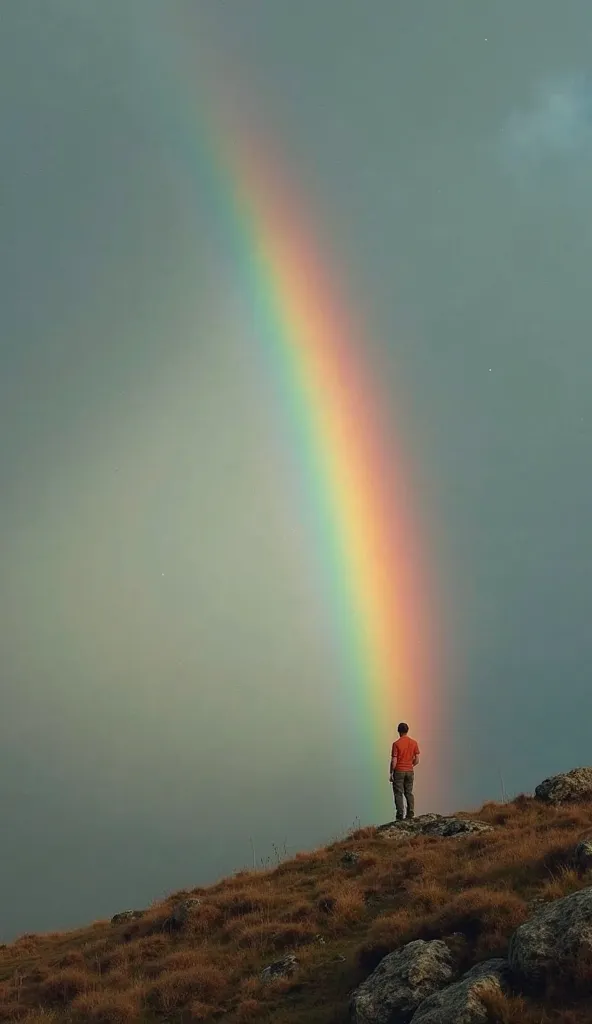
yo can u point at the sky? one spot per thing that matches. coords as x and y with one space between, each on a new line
171 710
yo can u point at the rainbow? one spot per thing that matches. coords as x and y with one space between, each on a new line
355 484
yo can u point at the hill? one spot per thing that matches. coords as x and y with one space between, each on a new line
294 943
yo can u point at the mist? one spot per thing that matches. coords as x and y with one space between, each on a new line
171 694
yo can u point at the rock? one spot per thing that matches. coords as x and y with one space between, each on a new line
583 856
462 1003
455 827
183 911
573 785
410 824
401 982
432 825
127 915
553 940
280 968
350 858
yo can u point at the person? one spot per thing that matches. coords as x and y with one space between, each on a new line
404 759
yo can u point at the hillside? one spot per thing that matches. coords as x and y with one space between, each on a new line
342 910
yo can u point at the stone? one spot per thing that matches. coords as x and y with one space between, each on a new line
462 1002
411 824
350 858
455 827
401 982
183 911
553 940
573 785
583 856
432 825
280 968
127 915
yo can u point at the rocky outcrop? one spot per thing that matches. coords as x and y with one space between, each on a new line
553 940
432 825
465 1001
350 858
573 785
280 968
184 911
583 856
401 982
410 826
126 915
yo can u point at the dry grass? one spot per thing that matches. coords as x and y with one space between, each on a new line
340 920
175 989
107 1007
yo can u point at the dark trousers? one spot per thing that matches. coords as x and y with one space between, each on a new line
403 791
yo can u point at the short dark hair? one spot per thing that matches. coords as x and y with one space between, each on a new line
402 728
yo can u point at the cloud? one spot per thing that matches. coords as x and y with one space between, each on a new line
553 134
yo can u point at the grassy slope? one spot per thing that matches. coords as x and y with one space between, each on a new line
476 888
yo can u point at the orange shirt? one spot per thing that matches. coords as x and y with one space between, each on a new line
403 751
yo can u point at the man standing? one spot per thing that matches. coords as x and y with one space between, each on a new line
404 758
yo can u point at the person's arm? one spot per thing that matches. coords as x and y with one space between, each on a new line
393 762
416 757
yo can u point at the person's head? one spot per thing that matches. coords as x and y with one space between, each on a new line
402 728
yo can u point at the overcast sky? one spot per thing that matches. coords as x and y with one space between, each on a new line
167 695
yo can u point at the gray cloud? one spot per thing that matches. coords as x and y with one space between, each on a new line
553 132
153 724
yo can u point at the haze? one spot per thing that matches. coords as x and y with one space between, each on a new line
170 706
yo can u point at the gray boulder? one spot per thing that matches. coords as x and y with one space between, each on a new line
455 827
463 1002
401 982
553 940
280 968
583 856
126 915
432 825
573 785
183 911
408 826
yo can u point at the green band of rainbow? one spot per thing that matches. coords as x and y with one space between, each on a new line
354 483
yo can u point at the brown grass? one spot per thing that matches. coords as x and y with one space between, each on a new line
39 1017
199 1011
64 985
248 1010
339 920
503 1009
106 1008
177 987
